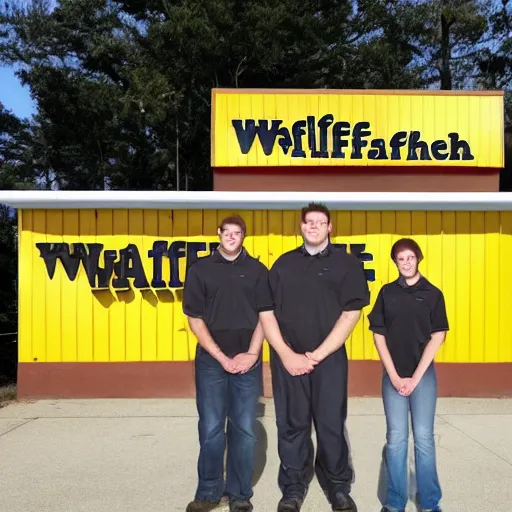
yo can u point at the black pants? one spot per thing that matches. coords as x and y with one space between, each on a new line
321 397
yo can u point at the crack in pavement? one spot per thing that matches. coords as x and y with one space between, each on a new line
478 442
18 426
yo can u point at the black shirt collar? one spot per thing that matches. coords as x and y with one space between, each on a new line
403 283
325 252
218 258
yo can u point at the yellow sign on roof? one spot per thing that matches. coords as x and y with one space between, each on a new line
275 128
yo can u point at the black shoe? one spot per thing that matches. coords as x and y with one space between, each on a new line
289 505
343 502
202 506
240 506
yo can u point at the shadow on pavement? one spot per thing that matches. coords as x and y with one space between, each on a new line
260 456
382 484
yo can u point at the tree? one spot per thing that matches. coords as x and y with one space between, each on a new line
449 36
123 88
495 62
13 137
8 296
16 170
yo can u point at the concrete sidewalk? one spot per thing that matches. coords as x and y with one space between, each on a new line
140 456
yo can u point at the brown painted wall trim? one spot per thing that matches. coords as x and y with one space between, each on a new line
106 380
320 180
359 170
176 380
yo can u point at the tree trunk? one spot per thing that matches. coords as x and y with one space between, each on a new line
446 72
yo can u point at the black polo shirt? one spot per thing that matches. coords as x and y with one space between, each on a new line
228 295
312 291
407 316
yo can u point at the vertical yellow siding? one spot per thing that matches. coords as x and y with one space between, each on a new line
466 255
102 313
478 119
38 293
25 286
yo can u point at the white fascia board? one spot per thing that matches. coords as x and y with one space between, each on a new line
226 200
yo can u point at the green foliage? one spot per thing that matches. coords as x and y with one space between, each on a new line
124 88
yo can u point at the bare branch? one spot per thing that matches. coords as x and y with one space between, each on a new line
238 71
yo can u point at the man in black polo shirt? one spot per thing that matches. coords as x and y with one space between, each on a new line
319 292
223 296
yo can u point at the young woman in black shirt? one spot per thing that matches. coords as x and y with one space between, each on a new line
409 325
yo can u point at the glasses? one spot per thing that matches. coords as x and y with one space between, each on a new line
321 223
229 234
406 259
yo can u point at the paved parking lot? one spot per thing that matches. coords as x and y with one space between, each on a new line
140 456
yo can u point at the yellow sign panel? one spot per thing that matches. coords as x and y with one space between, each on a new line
252 128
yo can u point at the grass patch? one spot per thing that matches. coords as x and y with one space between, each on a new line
8 395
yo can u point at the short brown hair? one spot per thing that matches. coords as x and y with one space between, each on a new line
315 207
236 220
406 244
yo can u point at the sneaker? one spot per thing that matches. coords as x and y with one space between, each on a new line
240 506
289 505
202 506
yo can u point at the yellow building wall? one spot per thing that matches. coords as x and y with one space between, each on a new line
467 254
476 117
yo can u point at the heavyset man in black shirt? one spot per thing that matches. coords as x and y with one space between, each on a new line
223 295
318 292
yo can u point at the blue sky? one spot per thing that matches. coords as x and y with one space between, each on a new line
15 97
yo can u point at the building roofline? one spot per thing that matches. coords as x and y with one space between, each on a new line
363 92
227 200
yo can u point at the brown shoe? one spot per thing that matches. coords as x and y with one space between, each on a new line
202 506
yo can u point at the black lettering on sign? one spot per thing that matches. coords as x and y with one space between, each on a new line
415 145
60 251
378 151
176 251
266 135
357 251
129 266
298 132
324 124
157 253
358 143
124 268
89 255
397 141
318 133
341 129
456 146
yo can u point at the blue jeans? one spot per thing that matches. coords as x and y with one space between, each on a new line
221 395
422 403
